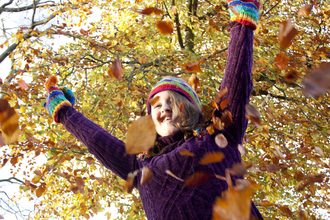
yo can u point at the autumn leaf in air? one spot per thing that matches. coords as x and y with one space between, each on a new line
286 34
253 114
212 157
281 61
146 175
9 122
221 141
149 11
117 68
185 152
291 76
194 82
164 27
235 203
224 103
198 178
305 10
192 67
22 84
40 190
141 135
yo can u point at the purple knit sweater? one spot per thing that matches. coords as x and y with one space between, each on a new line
165 197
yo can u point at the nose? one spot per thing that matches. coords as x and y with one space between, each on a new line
166 107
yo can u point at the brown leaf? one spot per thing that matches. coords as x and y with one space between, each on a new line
89 160
181 108
207 111
305 10
143 60
299 176
286 210
110 73
74 189
253 114
22 84
117 68
217 123
281 61
286 34
185 152
192 68
279 152
212 157
79 181
198 178
2 141
242 149
4 109
141 135
291 76
254 185
194 81
224 103
217 8
153 100
174 176
146 175
149 11
164 27
265 203
40 190
13 161
273 168
221 141
302 215
235 203
82 31
129 183
210 129
220 95
226 118
319 151
238 169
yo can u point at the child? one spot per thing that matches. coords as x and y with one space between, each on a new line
165 197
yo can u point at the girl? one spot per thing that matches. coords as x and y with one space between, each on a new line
165 197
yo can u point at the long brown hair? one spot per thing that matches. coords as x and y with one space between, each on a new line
186 121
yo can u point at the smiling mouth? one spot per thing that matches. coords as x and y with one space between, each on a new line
167 119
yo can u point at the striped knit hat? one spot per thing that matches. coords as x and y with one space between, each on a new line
175 84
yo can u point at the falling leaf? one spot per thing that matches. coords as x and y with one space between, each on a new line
181 108
226 118
302 215
154 100
79 181
217 8
291 76
146 175
174 176
36 179
238 169
40 190
279 152
286 34
235 203
217 123
254 185
149 11
212 157
233 9
192 68
305 10
286 210
117 68
208 111
4 109
273 168
194 81
141 135
224 103
22 84
185 152
89 160
319 151
265 203
221 141
74 189
253 114
82 31
281 61
318 81
220 95
214 105
299 176
164 27
242 149
198 178
143 60
174 10
210 129
129 183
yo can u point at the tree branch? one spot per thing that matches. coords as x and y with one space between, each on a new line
178 29
10 180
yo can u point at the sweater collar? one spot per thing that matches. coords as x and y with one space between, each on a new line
170 139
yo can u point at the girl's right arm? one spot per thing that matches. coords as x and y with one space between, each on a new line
109 150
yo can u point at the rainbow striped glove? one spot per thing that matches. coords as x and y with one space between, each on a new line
57 97
245 12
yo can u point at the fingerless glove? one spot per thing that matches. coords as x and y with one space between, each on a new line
245 12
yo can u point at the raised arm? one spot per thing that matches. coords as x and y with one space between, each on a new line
237 76
107 149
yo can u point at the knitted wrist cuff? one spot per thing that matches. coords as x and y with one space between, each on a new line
247 12
57 107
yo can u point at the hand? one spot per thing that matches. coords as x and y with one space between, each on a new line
245 11
57 97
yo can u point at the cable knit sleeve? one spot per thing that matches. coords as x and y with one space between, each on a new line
237 77
109 150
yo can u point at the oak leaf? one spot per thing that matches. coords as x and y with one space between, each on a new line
141 135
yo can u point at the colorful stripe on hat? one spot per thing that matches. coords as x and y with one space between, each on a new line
175 84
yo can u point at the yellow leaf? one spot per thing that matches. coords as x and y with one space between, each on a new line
36 179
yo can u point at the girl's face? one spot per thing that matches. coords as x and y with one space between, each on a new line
161 113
